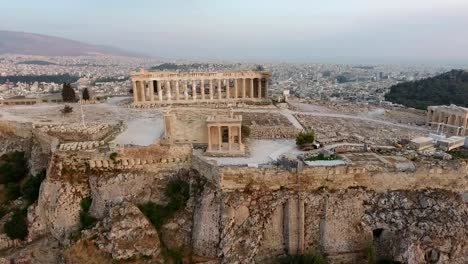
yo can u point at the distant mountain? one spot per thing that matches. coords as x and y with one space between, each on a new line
447 88
42 45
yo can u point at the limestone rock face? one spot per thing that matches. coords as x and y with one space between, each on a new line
45 250
126 234
58 208
419 227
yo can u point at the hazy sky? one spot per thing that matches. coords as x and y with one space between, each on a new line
358 31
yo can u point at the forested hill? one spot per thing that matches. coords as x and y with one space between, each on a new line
447 88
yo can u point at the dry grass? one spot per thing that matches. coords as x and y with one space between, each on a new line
85 252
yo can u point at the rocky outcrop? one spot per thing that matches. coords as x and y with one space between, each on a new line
419 227
126 234
57 210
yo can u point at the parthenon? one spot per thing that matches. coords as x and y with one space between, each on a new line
161 87
448 119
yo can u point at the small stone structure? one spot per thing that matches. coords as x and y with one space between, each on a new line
157 87
448 119
224 135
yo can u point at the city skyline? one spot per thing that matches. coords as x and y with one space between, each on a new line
360 31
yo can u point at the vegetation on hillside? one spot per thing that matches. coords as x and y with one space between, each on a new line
37 62
13 167
67 78
177 192
444 89
87 221
17 226
303 259
18 183
30 188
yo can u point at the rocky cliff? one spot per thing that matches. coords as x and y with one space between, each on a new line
234 215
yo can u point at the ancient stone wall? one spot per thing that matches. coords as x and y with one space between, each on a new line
274 132
262 226
206 168
343 177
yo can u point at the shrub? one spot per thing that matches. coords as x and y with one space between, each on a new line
303 259
30 189
14 167
173 256
178 193
12 191
66 110
371 253
87 221
3 212
305 138
17 226
320 156
113 156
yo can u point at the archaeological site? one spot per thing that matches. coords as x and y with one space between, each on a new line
211 167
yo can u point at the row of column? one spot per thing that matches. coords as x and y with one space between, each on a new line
219 136
242 89
456 123
447 118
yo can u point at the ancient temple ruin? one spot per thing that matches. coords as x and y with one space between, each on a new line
161 87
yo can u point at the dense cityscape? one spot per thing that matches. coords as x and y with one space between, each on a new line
109 76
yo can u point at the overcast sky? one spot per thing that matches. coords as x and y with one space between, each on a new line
356 31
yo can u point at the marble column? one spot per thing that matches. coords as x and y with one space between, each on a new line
168 91
186 90
235 88
160 94
227 89
135 92
251 88
143 91
177 90
220 138
202 88
267 86
194 90
211 89
243 88
229 138
151 90
209 138
259 88
219 88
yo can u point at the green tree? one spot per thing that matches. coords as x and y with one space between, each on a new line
85 95
68 94
305 138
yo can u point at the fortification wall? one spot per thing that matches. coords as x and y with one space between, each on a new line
209 169
343 177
